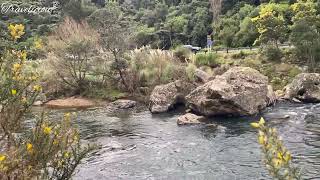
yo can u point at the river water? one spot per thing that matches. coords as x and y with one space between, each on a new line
139 145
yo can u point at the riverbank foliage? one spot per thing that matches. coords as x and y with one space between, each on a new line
46 150
277 158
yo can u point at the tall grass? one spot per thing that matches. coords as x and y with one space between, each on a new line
206 59
149 67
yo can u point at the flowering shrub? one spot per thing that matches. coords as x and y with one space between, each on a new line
49 150
276 157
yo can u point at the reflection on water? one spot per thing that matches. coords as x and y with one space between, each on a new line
138 145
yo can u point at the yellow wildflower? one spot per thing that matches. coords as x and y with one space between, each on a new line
37 88
16 67
47 130
23 55
2 158
13 91
255 125
287 157
29 147
38 43
277 163
262 140
262 121
66 155
16 31
55 142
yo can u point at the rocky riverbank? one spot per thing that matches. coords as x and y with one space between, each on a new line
240 91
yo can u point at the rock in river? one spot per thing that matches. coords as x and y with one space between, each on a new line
305 87
239 91
123 104
165 97
189 119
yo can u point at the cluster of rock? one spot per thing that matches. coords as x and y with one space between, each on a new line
240 91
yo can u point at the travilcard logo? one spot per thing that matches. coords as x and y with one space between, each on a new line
9 8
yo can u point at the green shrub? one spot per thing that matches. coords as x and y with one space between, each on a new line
272 53
206 59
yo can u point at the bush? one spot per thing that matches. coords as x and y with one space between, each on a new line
272 53
45 151
206 59
277 158
72 46
182 53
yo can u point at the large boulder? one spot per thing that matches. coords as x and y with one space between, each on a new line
165 97
305 87
190 119
239 91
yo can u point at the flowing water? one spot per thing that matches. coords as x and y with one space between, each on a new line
138 145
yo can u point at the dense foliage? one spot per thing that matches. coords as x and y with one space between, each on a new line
46 150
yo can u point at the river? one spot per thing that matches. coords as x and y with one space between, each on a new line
138 145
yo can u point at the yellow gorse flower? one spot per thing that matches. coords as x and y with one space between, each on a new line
47 130
66 155
55 142
29 147
13 91
2 158
259 124
38 43
16 31
37 88
16 67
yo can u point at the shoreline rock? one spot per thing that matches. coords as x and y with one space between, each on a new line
305 87
238 92
164 97
71 102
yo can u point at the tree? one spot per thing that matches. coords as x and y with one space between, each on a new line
305 34
175 25
226 29
115 36
270 24
247 34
